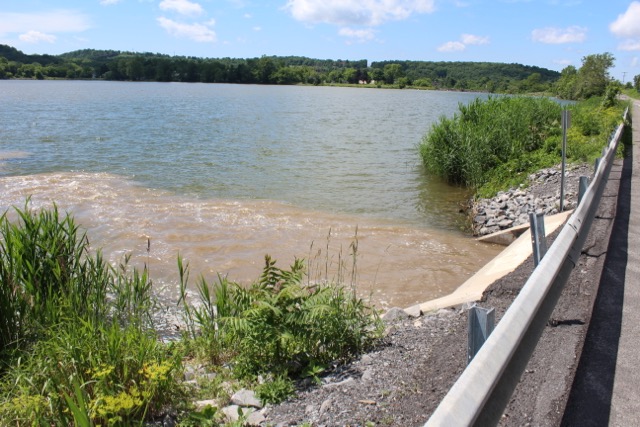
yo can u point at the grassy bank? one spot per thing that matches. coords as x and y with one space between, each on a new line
495 144
78 344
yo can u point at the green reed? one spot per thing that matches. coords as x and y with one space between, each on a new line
494 144
76 336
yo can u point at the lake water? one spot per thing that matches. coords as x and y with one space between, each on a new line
224 174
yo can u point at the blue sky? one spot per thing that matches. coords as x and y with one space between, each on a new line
546 33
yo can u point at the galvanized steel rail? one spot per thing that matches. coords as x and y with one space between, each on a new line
483 390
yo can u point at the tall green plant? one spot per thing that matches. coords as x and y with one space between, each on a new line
280 325
45 275
77 339
485 134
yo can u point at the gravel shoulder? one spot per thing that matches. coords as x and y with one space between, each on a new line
402 380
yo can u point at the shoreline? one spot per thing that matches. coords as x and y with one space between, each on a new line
403 379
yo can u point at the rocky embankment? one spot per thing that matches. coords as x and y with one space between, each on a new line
542 195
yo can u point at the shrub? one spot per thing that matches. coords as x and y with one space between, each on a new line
485 134
279 325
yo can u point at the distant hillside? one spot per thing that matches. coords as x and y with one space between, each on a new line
487 76
13 54
134 66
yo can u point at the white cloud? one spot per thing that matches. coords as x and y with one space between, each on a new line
58 21
452 47
634 62
465 40
37 37
552 35
470 39
109 2
356 12
628 23
361 35
257 28
630 45
196 32
183 7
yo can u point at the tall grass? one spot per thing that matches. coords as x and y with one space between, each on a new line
75 335
45 276
493 144
485 134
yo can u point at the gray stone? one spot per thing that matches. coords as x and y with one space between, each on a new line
246 397
505 223
255 418
444 312
231 413
395 314
339 383
480 218
366 359
324 407
367 375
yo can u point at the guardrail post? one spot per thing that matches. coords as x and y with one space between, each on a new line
582 187
538 237
481 324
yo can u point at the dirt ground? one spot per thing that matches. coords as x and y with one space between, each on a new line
403 379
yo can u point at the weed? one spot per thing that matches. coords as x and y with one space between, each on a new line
275 389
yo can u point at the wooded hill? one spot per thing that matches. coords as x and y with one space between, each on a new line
132 66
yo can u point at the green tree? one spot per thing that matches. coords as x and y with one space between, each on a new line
286 76
636 82
593 76
392 72
4 66
334 76
566 85
611 94
350 75
533 83
403 82
377 75
135 68
265 67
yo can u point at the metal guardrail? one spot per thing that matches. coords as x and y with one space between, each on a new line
482 392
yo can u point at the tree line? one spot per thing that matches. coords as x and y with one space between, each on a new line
591 79
130 66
